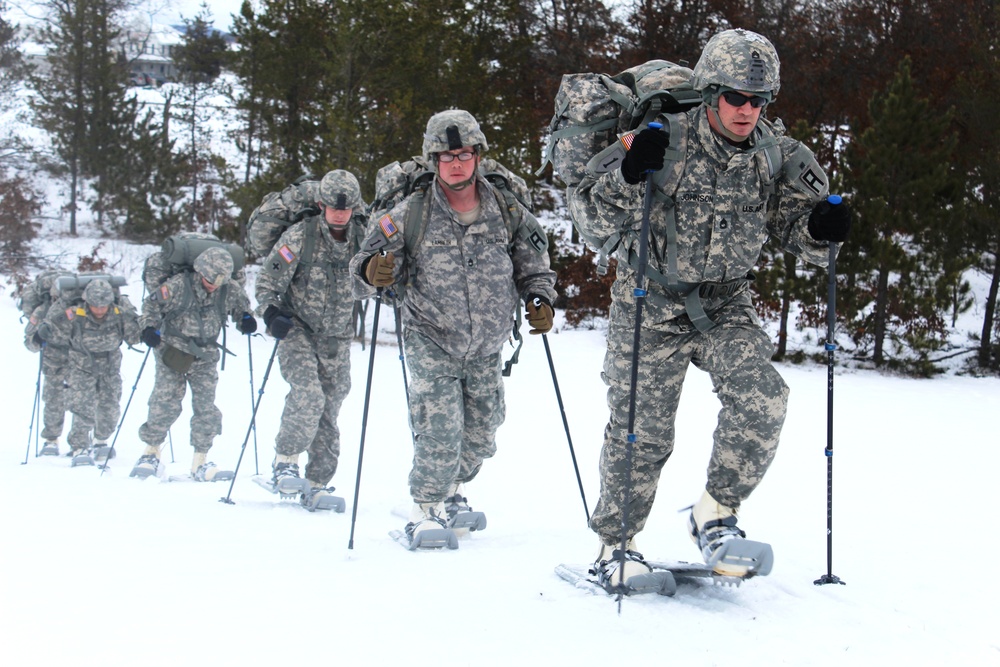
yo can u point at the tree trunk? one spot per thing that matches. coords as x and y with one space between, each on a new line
881 309
986 340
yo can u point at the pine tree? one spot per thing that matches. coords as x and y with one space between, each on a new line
899 171
199 59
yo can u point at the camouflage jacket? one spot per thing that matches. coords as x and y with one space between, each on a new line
94 344
188 316
315 286
462 284
722 209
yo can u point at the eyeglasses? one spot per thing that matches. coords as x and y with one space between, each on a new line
462 157
738 99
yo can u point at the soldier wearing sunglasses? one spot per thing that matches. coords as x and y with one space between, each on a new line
731 180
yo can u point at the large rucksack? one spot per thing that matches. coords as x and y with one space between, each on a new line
278 211
39 292
592 110
177 255
398 180
68 288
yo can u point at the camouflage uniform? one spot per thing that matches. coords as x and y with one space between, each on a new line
189 318
36 301
723 217
313 288
462 286
95 361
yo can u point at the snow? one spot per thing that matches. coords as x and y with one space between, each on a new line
108 570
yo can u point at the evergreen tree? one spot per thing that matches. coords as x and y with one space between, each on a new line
899 172
81 97
199 59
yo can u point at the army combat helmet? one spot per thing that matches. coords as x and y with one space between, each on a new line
215 265
737 60
451 130
98 293
340 190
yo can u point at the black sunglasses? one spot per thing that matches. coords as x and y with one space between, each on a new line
738 99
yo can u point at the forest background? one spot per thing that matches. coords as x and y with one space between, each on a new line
897 98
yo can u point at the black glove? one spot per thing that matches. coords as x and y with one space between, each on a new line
539 314
277 322
37 340
830 222
247 325
377 269
150 337
306 212
645 155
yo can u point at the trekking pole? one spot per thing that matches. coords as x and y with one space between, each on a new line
253 423
562 411
640 296
111 450
34 410
831 346
256 463
399 344
170 439
364 414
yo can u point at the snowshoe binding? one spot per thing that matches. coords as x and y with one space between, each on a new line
50 448
723 545
321 498
148 464
428 528
461 519
636 577
81 457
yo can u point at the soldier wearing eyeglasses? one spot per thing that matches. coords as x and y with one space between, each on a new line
477 258
730 180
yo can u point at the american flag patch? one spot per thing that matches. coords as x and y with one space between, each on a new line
626 139
388 226
286 254
164 292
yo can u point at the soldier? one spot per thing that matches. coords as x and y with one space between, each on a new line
705 238
95 330
181 321
462 286
304 294
35 303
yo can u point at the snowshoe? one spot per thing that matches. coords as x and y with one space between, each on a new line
428 528
81 457
209 472
723 545
50 448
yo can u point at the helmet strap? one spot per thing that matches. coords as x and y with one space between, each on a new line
713 110
457 187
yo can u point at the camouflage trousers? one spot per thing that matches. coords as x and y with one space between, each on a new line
456 407
55 392
318 372
168 392
95 399
736 354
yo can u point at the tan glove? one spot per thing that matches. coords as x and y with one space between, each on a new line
378 270
539 314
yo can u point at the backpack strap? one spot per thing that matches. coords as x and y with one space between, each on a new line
666 182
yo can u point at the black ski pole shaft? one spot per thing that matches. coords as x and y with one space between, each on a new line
364 415
170 439
640 297
831 347
34 409
562 411
111 450
256 461
399 344
253 423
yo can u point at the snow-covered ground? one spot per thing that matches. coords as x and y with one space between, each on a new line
107 570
